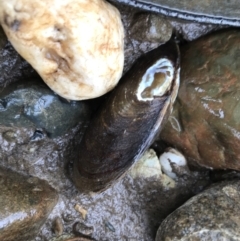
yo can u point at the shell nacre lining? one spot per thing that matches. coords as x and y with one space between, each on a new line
156 81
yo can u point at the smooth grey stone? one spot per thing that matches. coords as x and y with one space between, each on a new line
31 103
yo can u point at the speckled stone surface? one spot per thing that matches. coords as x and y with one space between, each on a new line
134 207
25 203
205 122
212 215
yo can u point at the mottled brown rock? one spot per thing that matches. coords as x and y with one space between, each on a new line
205 123
25 203
212 215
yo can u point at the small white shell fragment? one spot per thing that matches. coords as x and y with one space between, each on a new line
147 166
76 46
167 182
81 210
169 157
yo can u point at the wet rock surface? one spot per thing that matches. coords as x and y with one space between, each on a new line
205 120
133 208
3 38
189 31
156 30
150 27
211 215
12 66
30 103
25 205
117 214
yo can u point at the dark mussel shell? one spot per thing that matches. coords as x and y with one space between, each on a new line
129 120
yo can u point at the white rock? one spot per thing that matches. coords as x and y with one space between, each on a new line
169 158
75 45
147 166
